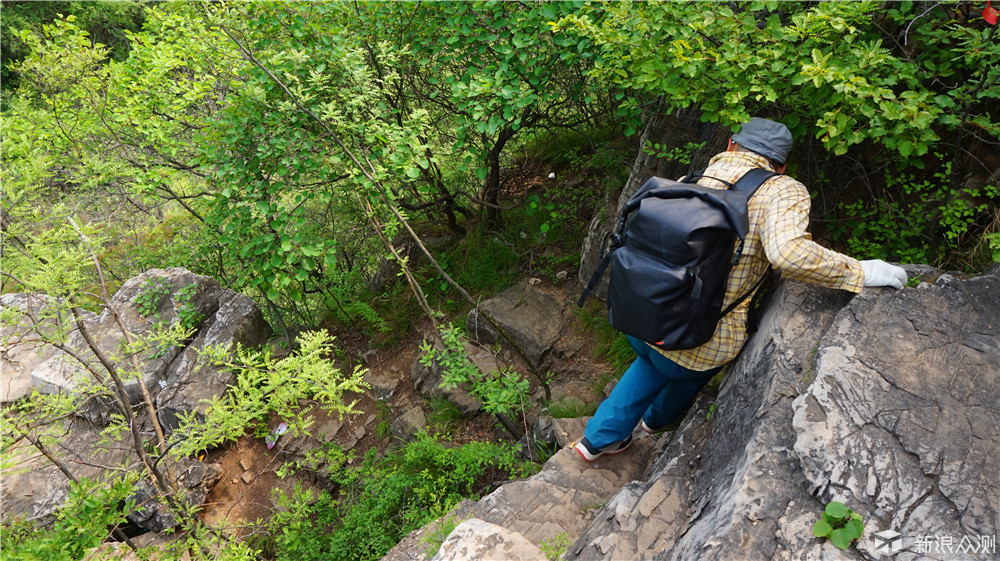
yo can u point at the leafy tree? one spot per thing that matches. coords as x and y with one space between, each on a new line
116 140
107 22
487 71
899 85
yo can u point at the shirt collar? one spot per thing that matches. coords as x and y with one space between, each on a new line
749 159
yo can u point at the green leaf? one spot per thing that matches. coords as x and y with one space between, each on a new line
481 173
838 509
905 148
855 527
822 529
841 538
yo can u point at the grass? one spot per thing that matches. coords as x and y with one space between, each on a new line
383 420
612 345
444 416
571 408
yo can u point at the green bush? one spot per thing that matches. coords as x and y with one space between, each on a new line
385 498
81 524
920 219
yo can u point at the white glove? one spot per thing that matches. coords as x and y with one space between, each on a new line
880 273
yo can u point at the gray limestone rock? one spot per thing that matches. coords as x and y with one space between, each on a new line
155 297
23 351
407 425
534 320
190 383
33 487
476 540
903 418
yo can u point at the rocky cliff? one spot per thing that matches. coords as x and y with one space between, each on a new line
43 352
886 401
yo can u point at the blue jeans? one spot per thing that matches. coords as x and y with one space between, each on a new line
654 388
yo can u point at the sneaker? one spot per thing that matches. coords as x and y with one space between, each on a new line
657 430
589 453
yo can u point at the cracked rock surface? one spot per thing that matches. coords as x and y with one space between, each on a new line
903 416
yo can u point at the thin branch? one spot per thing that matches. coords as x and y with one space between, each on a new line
37 443
370 176
106 300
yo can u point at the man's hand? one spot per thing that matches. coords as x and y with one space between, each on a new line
880 273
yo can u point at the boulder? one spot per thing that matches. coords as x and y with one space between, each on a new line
533 319
23 349
195 478
407 425
474 540
189 384
902 419
33 487
157 297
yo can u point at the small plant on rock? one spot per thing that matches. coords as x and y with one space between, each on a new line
555 547
501 391
839 523
151 296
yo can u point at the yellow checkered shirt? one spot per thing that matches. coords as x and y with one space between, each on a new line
779 216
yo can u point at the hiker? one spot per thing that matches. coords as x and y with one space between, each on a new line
660 385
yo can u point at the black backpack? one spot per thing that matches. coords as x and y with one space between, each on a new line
670 258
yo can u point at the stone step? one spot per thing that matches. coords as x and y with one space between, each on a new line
556 504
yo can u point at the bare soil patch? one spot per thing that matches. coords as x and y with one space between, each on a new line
245 493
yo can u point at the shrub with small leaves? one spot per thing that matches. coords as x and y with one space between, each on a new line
502 391
556 546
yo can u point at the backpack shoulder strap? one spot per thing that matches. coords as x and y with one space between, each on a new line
752 180
748 185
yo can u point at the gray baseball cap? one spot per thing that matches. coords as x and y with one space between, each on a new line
766 137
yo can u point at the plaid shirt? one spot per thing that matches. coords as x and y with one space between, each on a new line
779 215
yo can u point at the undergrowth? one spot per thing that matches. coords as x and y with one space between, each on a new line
385 498
612 345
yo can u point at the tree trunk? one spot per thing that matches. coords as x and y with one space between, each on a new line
491 188
670 130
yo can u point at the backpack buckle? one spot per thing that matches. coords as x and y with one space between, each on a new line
611 243
738 254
